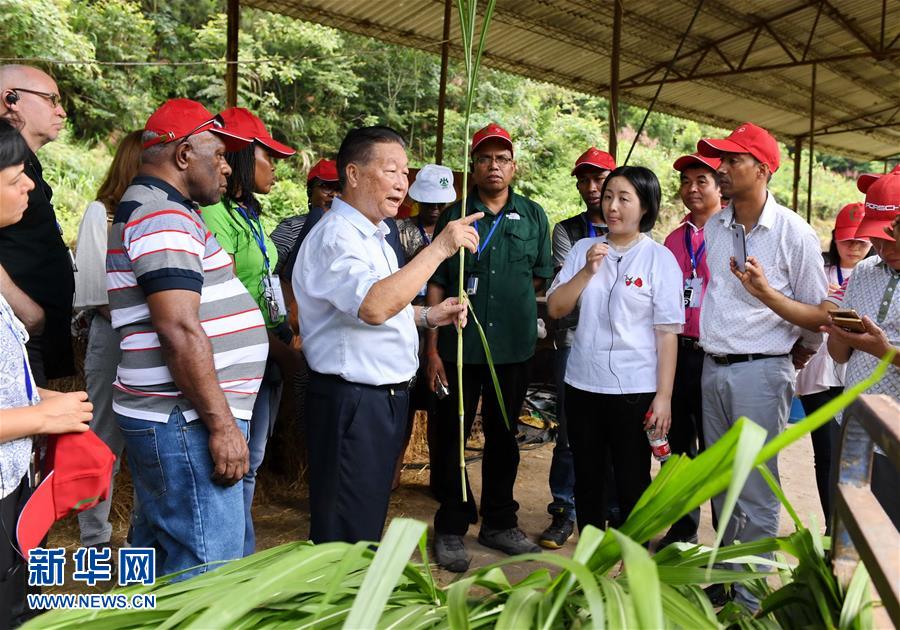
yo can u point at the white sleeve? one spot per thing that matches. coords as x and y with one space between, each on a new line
573 263
668 289
90 258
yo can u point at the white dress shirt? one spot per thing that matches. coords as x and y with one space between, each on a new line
634 293
90 257
341 258
734 322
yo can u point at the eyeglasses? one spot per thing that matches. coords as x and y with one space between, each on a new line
486 160
53 98
215 123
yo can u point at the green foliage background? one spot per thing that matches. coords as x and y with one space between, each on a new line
310 84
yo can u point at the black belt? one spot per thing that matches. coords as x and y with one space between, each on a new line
691 343
402 386
730 359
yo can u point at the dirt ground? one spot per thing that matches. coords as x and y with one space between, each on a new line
281 513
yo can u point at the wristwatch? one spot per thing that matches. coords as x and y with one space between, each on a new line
424 318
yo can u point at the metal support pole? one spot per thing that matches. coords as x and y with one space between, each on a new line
614 78
442 94
231 52
812 146
798 149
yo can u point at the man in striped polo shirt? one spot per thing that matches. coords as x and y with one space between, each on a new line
193 345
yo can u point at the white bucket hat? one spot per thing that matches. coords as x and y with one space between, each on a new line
434 184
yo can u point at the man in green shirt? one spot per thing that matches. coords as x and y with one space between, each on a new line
513 261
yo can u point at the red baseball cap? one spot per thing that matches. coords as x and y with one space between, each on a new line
847 222
695 159
493 130
748 138
326 170
596 158
81 467
181 117
244 123
882 203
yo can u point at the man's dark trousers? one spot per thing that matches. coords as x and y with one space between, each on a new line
354 434
500 460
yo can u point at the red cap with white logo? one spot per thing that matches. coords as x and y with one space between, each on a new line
882 203
596 158
695 159
493 130
748 138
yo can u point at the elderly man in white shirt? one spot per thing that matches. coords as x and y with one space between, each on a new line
748 370
359 335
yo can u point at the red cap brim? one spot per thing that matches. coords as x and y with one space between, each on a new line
233 142
848 234
275 147
36 517
866 180
710 147
874 228
686 161
602 167
490 136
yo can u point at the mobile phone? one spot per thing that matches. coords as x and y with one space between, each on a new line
739 246
848 319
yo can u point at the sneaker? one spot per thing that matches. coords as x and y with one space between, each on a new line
450 552
558 533
510 541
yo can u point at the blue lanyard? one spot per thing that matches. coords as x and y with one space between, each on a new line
258 235
689 246
840 276
591 230
424 234
490 233
29 386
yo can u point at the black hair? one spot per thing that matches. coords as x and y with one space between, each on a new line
647 186
833 257
242 180
694 166
13 150
357 147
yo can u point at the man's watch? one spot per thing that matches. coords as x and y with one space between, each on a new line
424 317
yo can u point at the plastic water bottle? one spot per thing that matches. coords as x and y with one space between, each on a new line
659 446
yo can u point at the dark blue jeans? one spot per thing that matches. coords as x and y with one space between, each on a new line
562 468
181 512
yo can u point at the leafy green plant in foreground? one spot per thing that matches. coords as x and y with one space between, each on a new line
300 585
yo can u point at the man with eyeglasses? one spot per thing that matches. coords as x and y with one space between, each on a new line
32 251
512 262
193 342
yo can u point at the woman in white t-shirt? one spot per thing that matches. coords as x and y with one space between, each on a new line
622 365
822 380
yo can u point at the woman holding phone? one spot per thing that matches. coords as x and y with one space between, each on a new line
622 365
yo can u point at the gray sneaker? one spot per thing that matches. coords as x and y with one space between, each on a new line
450 552
510 541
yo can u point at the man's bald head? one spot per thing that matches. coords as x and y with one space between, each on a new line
29 97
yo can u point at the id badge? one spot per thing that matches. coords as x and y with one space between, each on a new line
693 290
472 285
274 297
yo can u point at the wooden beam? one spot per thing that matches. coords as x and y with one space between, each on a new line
231 52
442 93
798 150
812 145
614 79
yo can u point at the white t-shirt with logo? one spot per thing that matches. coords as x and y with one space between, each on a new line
633 292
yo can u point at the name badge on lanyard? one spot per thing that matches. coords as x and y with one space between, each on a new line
271 285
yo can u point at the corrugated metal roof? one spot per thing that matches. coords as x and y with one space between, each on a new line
568 42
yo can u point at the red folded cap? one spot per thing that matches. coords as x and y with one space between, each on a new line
493 130
81 467
244 123
882 203
326 170
748 138
695 159
596 158
847 221
181 117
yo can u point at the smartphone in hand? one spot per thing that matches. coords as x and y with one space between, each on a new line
739 246
848 319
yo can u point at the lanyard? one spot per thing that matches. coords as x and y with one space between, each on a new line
591 230
689 246
490 233
29 386
424 234
840 276
256 230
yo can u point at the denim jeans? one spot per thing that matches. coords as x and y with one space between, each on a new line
265 410
562 467
101 361
182 513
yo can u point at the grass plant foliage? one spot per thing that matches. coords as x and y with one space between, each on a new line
610 581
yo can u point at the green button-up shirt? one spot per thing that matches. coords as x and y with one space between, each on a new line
517 252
